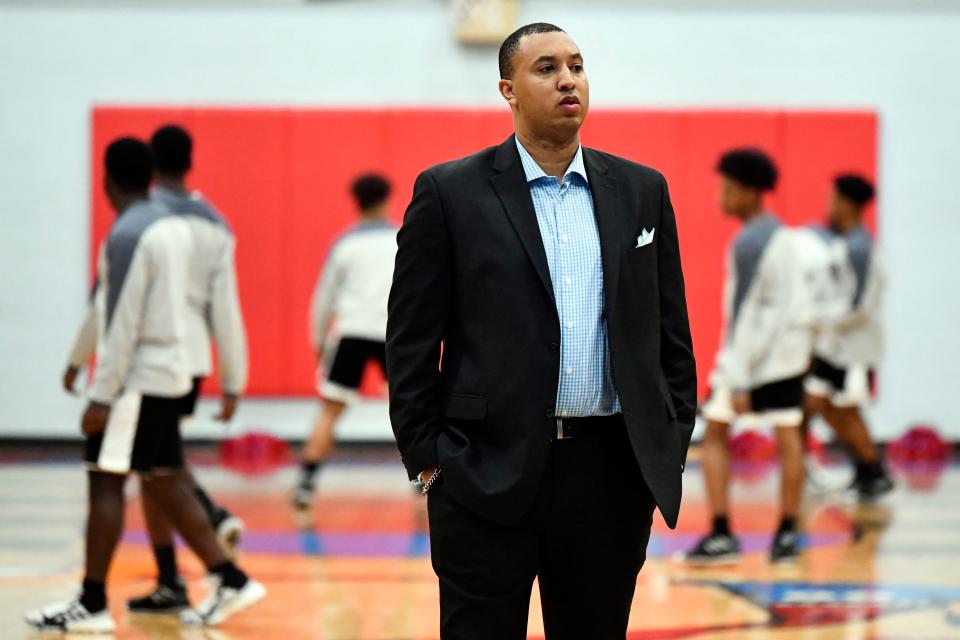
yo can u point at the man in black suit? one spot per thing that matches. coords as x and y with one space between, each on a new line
548 276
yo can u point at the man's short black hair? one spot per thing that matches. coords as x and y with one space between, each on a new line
512 43
750 167
854 188
172 150
370 190
129 164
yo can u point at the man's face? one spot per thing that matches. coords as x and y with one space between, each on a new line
843 213
736 199
549 92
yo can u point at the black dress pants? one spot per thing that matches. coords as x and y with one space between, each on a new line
585 539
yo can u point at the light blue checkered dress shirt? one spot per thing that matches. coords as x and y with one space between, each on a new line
570 238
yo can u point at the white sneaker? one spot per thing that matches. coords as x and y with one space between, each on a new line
222 602
70 616
229 532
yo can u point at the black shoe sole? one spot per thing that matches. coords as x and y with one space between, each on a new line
785 559
729 558
157 612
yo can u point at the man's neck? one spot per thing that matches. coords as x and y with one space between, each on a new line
845 226
553 156
173 184
374 215
127 200
752 215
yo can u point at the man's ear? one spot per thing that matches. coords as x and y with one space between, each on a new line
506 90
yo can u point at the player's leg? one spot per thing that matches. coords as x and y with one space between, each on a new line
229 528
814 405
716 467
336 392
841 394
170 594
232 589
782 403
719 545
117 449
791 453
317 449
89 613
170 490
871 480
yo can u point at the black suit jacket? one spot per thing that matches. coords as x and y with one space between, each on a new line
471 281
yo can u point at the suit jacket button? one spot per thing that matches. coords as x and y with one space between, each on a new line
554 346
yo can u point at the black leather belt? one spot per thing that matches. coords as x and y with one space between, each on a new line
568 428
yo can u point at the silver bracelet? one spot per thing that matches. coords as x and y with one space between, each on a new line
425 486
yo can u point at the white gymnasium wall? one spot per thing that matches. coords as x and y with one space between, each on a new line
57 61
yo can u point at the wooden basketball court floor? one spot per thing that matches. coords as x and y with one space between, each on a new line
361 571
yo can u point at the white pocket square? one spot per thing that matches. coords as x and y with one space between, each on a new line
645 238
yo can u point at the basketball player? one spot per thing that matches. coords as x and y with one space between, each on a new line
132 421
760 367
849 344
214 309
214 312
352 292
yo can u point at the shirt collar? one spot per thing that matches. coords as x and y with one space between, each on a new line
533 171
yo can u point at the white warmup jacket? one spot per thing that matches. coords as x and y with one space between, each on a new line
767 335
213 303
355 283
213 298
850 327
140 303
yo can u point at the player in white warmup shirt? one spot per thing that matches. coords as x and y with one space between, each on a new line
214 312
132 422
849 343
351 293
764 354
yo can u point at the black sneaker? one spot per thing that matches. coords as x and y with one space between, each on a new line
162 600
716 548
870 489
786 547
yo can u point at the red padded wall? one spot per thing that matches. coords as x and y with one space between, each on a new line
281 177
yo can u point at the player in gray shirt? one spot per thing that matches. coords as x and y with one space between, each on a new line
849 344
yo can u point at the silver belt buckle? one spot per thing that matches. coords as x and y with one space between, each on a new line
560 432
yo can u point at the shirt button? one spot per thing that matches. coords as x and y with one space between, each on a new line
569 371
563 414
569 325
563 238
566 281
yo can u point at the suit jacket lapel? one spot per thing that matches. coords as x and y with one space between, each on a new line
608 210
510 183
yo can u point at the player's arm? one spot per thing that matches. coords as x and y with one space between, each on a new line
129 277
868 298
418 311
324 299
84 343
226 324
763 311
735 358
